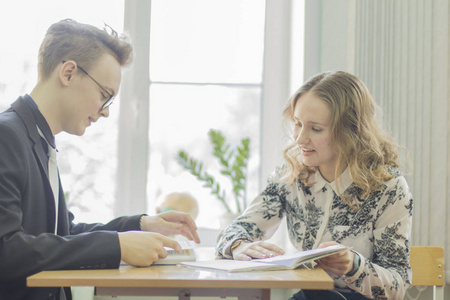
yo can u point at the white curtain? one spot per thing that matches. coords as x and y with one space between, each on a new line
400 49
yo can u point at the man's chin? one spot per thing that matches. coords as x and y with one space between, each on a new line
78 132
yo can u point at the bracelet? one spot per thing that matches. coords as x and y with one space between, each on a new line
356 263
237 243
141 221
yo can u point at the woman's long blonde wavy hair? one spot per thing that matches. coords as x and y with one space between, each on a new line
362 144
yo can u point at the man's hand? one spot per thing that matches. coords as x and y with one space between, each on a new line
172 223
141 249
248 250
340 263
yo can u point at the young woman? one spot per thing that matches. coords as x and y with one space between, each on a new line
339 184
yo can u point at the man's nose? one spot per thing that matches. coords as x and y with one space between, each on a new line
105 112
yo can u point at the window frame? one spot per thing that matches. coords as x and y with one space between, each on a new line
134 107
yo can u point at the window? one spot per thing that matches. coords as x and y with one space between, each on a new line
206 71
206 62
87 164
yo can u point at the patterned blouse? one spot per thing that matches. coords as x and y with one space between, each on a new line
379 232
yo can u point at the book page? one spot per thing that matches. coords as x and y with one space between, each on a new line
231 265
281 262
296 259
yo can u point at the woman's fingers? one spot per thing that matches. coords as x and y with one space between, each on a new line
259 249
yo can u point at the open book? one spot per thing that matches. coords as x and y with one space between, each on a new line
173 258
281 262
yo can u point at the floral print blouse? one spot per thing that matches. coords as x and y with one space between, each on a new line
380 231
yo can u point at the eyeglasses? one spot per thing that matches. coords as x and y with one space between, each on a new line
110 96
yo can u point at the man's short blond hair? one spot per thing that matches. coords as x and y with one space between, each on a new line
82 43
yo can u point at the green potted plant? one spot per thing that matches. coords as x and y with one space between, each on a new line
233 163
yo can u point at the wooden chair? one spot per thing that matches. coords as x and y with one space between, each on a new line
427 265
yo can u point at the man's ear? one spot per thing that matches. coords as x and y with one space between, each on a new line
66 72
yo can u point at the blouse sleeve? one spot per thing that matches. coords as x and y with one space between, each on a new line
259 221
388 274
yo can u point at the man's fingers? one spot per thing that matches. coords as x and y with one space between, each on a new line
181 223
183 229
167 242
189 229
180 217
191 235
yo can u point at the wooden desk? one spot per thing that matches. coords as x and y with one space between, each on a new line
184 282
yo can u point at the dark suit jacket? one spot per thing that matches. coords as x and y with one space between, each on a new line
27 214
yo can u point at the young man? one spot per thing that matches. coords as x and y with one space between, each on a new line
79 75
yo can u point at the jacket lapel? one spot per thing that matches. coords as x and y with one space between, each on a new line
22 107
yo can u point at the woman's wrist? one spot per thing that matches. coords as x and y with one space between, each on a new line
237 243
356 264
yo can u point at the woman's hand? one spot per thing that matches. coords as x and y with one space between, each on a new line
340 263
171 223
248 250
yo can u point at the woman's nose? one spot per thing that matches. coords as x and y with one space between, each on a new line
302 139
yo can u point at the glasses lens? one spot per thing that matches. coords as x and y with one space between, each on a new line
108 102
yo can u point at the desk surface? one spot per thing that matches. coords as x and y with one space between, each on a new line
176 276
184 277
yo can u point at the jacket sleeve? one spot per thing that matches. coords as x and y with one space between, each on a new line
388 274
118 224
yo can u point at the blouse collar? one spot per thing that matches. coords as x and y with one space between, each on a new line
343 181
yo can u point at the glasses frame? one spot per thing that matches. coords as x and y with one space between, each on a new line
111 96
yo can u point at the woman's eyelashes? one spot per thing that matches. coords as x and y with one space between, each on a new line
313 128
